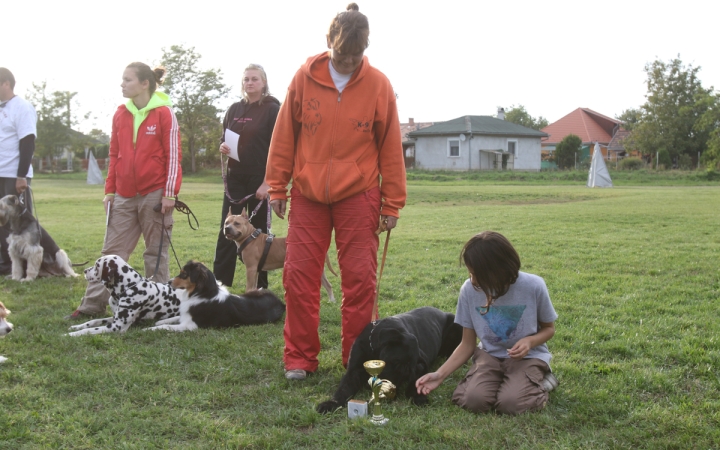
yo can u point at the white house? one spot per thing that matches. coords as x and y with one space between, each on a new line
477 143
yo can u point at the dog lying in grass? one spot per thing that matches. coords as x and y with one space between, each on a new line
5 326
132 297
205 304
409 343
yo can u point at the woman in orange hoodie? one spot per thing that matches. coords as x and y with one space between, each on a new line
337 137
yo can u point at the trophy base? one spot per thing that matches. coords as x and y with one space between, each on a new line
379 420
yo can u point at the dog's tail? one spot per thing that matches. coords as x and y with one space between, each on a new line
80 264
329 265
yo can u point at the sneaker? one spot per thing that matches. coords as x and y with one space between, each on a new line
550 382
77 314
295 374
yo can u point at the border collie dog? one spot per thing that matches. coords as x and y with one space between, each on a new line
205 304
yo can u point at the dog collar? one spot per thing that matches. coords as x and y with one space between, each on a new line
246 242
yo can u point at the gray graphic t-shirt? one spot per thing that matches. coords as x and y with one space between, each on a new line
511 317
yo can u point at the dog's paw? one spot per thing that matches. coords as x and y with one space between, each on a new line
420 400
328 407
23 280
2 359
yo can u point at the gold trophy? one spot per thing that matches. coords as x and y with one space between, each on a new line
374 368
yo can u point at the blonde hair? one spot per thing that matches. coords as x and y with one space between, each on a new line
349 31
263 75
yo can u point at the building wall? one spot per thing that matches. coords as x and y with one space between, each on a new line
431 153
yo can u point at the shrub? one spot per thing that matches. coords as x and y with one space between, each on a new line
631 164
664 159
685 162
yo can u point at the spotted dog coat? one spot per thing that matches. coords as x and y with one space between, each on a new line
132 297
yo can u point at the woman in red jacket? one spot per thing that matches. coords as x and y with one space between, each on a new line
144 171
337 135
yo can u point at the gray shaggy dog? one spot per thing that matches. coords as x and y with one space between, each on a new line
32 251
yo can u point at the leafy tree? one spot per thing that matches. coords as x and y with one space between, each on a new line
710 123
667 120
630 118
101 142
518 115
566 151
195 94
57 115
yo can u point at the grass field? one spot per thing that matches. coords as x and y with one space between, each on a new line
632 271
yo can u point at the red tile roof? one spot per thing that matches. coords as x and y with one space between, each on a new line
589 125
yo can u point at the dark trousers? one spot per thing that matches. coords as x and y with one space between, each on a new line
7 187
239 185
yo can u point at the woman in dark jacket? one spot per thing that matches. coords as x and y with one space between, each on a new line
253 118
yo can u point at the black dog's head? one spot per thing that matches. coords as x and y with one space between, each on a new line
197 280
399 349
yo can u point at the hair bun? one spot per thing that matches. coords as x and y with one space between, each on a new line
353 7
159 72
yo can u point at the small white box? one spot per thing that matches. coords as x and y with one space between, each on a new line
356 408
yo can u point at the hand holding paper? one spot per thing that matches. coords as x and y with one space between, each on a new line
232 139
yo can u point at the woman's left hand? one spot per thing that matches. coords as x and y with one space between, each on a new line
167 205
262 192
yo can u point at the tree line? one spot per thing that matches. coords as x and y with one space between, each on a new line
679 119
195 93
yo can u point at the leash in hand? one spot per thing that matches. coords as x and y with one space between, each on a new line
184 209
376 307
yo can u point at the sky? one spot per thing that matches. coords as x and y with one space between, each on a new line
445 59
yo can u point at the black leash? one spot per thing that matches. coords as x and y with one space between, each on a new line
184 209
223 165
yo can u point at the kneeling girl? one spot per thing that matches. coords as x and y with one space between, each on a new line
510 311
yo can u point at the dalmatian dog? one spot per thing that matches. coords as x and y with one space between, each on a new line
132 297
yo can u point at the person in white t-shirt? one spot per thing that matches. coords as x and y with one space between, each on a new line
511 313
18 128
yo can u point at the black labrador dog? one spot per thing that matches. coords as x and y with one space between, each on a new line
409 343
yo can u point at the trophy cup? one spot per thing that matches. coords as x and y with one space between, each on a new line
374 367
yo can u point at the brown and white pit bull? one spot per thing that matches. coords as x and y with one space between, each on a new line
238 228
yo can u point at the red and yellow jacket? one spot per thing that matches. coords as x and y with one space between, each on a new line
145 150
334 145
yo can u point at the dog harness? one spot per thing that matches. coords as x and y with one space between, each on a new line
266 250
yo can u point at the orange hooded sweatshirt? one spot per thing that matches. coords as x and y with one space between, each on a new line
335 145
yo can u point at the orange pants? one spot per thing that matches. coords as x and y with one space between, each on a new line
310 227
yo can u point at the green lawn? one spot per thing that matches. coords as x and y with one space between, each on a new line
632 271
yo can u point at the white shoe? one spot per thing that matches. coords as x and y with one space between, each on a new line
550 382
295 374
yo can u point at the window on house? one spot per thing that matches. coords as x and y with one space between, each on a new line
453 147
512 147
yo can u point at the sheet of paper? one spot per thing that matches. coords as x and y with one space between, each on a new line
231 139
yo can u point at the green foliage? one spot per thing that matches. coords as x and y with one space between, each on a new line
630 118
667 120
195 94
518 115
57 115
664 160
685 162
631 164
632 274
710 122
566 151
